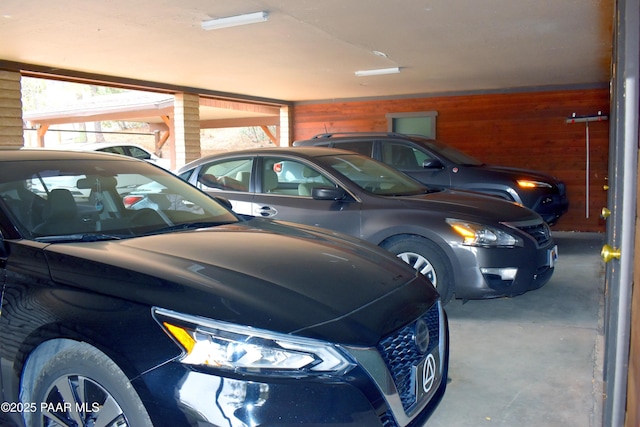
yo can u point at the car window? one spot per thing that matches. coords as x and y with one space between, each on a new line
228 175
373 176
73 199
186 175
403 157
138 153
362 147
290 177
450 153
114 150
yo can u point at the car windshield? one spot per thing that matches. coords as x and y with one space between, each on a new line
77 200
373 176
452 154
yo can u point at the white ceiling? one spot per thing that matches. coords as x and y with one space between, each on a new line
310 49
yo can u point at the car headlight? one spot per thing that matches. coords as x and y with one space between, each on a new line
528 183
474 234
207 342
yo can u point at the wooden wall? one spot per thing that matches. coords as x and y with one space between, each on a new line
10 110
527 130
633 378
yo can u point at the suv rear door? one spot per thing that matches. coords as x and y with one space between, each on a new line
415 161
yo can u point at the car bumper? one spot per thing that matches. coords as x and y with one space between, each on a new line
503 272
369 395
551 208
204 399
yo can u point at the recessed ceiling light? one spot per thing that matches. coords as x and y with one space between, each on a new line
232 21
377 72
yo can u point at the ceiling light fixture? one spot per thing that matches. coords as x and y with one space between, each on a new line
232 21
377 72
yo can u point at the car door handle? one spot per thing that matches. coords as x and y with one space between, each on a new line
266 211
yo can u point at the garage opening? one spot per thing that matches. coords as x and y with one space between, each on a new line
64 114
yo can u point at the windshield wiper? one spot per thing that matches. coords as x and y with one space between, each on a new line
84 237
186 226
413 193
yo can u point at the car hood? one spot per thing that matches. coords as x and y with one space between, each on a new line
260 273
469 205
512 174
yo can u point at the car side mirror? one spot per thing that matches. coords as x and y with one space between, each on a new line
432 164
328 193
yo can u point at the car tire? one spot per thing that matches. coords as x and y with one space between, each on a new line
426 257
70 383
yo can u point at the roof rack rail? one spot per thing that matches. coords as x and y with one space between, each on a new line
337 134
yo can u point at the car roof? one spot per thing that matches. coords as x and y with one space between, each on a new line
307 152
100 145
47 154
359 136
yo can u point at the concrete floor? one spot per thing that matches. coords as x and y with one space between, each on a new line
536 359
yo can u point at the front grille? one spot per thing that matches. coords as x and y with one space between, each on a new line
400 354
540 232
387 420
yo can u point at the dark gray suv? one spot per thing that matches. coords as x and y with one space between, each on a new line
439 165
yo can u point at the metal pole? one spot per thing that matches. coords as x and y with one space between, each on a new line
586 120
621 230
587 173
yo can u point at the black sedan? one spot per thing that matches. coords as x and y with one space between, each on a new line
437 164
469 245
180 313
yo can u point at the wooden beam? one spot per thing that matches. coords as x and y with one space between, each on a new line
161 139
81 117
240 122
240 106
42 130
164 135
270 135
57 73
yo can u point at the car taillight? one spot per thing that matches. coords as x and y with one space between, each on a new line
131 200
277 167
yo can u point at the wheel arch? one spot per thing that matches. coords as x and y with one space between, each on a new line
135 333
41 373
429 258
37 356
433 234
440 244
389 235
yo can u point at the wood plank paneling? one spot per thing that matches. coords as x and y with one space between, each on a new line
526 130
10 110
633 380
